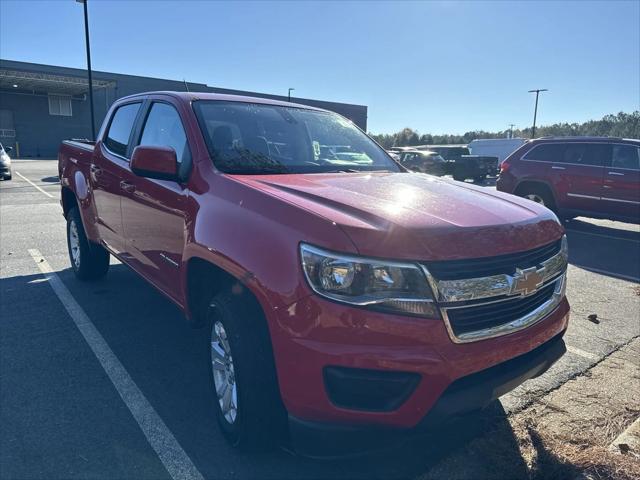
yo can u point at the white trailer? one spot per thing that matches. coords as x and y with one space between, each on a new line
495 147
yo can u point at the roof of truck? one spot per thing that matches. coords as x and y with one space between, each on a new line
193 96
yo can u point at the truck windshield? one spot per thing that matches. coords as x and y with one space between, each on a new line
248 138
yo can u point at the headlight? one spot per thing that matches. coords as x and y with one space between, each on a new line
377 284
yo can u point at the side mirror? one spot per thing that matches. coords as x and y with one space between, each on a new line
155 162
8 149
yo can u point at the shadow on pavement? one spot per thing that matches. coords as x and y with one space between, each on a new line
610 251
169 361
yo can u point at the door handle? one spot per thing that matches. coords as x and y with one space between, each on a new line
617 174
127 187
555 167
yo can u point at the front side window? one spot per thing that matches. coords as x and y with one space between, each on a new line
117 138
163 128
596 154
625 156
268 139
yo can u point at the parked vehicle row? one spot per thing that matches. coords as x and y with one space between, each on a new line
454 160
581 176
343 295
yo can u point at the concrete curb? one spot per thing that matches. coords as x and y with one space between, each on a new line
628 442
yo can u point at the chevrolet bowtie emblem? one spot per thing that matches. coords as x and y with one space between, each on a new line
526 281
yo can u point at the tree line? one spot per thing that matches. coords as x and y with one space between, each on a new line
625 125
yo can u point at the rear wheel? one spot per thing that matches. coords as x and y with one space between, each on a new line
243 376
89 260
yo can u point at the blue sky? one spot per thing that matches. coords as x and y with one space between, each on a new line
439 67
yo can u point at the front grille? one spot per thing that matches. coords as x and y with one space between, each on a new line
489 315
485 267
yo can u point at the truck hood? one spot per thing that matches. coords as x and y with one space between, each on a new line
416 216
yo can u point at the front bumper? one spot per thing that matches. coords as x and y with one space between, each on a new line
465 395
315 334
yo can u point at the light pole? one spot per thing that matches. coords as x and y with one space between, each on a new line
86 37
535 111
511 125
289 94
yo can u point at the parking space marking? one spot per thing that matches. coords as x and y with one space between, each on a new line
33 184
610 237
582 353
619 276
171 454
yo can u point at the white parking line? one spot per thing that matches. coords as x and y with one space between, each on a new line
610 237
171 454
33 184
582 353
619 276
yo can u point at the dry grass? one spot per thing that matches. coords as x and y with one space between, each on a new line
563 435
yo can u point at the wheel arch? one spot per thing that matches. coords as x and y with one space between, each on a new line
68 199
534 183
203 279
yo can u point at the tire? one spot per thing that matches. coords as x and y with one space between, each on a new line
89 261
459 178
480 179
242 359
539 195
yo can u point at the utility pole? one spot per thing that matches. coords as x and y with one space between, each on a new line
535 111
86 37
289 94
511 125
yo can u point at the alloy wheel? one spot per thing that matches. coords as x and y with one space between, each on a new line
74 243
224 373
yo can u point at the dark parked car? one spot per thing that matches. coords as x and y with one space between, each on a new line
593 177
424 162
462 165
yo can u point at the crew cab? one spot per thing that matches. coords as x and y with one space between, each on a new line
577 176
342 294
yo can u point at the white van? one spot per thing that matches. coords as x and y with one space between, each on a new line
495 147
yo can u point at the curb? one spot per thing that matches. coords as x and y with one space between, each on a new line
628 442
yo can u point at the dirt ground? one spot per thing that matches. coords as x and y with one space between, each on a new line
564 434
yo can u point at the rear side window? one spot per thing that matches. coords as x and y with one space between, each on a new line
549 152
625 156
117 139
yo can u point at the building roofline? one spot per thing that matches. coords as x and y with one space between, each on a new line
72 71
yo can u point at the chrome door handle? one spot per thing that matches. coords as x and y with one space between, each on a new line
617 174
127 187
555 167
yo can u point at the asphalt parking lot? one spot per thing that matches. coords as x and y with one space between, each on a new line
148 414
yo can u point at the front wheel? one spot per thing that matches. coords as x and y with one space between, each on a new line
539 195
89 261
248 407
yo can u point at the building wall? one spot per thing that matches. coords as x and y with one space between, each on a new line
39 134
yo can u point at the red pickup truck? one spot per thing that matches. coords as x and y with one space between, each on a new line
344 295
